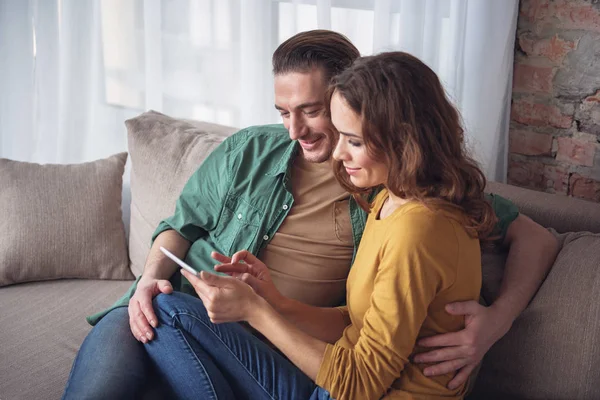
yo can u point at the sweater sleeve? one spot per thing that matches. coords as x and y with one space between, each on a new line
417 260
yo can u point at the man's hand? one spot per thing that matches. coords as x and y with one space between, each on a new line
141 313
249 269
462 351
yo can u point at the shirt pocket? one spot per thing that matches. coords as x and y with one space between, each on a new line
238 225
341 220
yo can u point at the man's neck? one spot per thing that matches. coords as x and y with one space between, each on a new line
324 166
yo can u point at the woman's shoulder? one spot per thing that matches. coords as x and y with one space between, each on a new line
429 223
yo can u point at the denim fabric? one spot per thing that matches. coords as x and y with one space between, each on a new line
200 359
111 363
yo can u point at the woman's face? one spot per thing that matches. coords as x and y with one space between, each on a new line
364 171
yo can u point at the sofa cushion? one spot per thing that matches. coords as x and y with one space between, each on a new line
553 347
42 325
62 221
164 152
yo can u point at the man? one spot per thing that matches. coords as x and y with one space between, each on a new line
271 190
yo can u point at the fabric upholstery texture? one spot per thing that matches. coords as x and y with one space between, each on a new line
62 221
552 350
565 214
164 152
42 325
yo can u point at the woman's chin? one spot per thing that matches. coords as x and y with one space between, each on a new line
360 183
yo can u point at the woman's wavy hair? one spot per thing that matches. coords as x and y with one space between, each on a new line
409 124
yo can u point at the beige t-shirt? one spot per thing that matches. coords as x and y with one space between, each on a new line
310 255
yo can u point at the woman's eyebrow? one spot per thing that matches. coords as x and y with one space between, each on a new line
349 134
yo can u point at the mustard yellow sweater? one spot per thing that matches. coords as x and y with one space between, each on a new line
408 267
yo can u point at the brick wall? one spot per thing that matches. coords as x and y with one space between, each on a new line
555 118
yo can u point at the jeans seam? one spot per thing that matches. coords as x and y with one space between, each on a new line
177 313
212 387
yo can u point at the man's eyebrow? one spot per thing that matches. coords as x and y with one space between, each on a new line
303 105
349 134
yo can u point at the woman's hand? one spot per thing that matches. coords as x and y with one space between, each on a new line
249 269
226 299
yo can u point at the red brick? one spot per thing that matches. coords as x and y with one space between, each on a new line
528 78
535 10
576 151
584 188
535 114
554 49
526 173
530 143
576 15
557 178
562 14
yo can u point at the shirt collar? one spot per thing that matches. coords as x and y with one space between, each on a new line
282 166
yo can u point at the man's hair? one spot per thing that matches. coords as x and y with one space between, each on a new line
330 51
410 125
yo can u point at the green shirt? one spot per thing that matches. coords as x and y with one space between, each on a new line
239 197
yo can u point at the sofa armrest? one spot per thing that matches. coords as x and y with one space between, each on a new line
565 214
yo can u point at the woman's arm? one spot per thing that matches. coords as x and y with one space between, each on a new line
324 323
228 300
408 277
304 350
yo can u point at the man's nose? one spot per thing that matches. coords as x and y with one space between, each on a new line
297 127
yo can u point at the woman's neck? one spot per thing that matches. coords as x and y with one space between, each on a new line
398 201
392 203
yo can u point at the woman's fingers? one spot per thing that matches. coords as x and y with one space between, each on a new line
237 268
220 257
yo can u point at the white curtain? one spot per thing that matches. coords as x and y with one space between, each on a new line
71 71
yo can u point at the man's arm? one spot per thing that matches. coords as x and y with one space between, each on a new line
196 212
158 265
154 280
531 252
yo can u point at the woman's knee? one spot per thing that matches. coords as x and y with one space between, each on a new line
168 306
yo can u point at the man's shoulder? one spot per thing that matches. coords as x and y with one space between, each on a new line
258 149
268 135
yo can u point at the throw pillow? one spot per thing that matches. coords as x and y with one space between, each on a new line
164 152
62 221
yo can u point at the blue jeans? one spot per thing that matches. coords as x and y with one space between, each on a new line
201 360
112 364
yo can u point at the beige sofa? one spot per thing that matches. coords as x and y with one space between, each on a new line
552 351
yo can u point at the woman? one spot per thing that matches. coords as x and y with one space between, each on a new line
420 250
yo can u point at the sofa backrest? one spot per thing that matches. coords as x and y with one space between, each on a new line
164 153
551 350
564 214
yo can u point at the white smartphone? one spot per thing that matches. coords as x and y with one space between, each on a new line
179 262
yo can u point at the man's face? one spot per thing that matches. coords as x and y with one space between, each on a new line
300 99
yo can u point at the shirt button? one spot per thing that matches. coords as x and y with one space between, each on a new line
266 237
285 206
239 216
